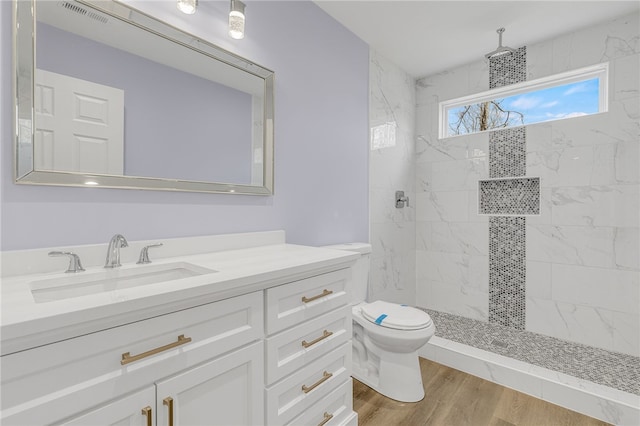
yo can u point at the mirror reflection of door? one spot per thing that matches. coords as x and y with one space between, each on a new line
80 125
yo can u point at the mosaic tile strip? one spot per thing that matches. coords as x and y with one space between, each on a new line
520 196
616 370
508 153
507 271
507 158
508 69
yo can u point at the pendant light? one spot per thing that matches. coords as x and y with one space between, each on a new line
187 6
236 19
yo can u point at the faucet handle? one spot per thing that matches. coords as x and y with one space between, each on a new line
401 200
74 260
144 253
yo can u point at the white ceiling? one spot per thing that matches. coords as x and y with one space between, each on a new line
426 37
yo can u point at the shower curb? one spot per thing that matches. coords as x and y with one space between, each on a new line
601 402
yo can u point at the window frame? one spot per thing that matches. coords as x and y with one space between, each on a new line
600 71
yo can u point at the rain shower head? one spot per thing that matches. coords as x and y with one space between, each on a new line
500 50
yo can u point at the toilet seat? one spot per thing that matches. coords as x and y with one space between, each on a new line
395 316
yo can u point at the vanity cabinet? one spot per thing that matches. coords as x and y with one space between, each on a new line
224 392
308 352
106 375
132 410
275 352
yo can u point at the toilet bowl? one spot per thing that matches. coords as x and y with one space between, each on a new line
386 337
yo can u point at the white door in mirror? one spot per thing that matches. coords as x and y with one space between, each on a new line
80 125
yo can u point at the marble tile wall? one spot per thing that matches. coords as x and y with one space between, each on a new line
391 168
452 239
583 250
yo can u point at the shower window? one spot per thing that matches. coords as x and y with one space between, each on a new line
567 95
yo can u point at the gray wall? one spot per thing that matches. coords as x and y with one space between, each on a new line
321 135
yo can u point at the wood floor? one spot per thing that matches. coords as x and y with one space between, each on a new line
459 399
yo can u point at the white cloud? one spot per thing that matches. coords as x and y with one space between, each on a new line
578 88
567 115
575 114
526 102
549 104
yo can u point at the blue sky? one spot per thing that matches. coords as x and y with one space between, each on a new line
570 100
566 101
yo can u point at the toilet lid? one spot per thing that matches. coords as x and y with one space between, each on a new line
393 315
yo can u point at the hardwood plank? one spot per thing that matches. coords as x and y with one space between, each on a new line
459 399
433 408
496 421
517 408
475 402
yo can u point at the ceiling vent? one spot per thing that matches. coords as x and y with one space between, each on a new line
74 7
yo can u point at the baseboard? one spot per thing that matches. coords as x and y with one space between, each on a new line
592 399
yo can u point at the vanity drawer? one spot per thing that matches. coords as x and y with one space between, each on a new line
334 409
296 347
304 388
293 303
84 371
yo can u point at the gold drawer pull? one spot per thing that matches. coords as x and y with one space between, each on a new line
325 292
325 334
168 401
325 376
127 357
146 411
327 417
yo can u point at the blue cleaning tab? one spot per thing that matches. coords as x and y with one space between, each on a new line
380 318
404 305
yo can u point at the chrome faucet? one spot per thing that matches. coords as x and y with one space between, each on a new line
113 251
74 260
144 254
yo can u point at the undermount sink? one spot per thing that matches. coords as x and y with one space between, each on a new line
83 284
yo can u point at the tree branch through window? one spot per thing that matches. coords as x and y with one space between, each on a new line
485 116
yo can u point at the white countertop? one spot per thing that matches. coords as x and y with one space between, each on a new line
26 323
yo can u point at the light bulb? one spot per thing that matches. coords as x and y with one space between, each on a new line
187 6
236 20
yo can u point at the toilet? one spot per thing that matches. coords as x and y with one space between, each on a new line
386 337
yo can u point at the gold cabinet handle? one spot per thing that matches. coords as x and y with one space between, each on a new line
127 357
325 292
146 411
327 417
325 376
325 334
168 401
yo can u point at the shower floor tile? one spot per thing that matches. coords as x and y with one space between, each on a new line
616 370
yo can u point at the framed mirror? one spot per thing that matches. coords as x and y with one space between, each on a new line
107 96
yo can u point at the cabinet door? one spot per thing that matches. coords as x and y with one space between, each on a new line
226 391
54 382
137 409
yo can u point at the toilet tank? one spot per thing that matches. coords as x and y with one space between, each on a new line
360 270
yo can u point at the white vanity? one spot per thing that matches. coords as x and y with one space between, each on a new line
219 330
